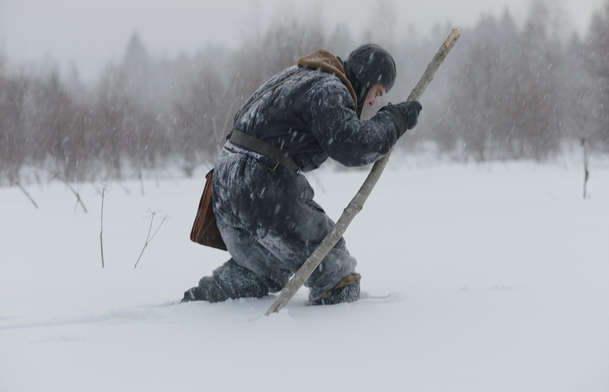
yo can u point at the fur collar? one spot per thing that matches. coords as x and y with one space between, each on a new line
327 62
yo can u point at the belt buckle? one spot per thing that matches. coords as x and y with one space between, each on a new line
276 166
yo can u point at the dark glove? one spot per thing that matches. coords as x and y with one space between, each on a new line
405 115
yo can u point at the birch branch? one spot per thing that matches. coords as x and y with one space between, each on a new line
357 204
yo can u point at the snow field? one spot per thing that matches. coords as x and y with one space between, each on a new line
497 278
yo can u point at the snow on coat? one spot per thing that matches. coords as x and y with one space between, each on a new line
311 114
266 213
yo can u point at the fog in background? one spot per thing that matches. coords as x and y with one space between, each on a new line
96 91
90 33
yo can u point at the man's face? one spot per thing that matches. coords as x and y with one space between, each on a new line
375 91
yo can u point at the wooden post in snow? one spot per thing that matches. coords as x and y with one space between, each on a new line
357 204
101 228
584 144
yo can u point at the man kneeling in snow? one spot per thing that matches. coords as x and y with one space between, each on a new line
264 207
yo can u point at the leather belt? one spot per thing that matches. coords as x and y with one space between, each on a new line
254 144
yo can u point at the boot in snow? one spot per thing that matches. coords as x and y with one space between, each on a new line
228 281
347 290
207 290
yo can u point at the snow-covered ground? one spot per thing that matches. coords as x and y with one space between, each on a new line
478 278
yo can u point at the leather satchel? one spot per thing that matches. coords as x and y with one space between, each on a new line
204 230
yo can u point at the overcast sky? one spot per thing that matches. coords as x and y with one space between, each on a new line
89 33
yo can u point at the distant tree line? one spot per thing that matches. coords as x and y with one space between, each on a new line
526 93
507 92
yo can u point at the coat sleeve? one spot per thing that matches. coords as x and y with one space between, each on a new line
335 125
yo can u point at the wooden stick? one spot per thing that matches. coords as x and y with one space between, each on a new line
357 204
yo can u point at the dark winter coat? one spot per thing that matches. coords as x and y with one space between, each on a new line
312 114
266 214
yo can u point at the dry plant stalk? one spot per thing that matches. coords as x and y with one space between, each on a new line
75 192
357 204
150 235
27 194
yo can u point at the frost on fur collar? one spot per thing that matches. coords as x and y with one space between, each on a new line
327 62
